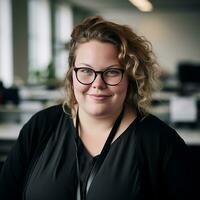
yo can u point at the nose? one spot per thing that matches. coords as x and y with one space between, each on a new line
98 82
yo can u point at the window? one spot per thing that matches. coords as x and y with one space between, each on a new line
39 38
6 58
63 28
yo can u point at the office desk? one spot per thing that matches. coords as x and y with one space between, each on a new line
11 131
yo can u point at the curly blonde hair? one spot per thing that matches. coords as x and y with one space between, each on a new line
135 55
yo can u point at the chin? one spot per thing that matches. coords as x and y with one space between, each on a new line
99 111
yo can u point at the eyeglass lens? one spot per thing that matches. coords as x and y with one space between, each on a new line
111 76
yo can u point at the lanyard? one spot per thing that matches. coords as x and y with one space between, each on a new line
81 195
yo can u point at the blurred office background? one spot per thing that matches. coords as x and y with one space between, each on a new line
34 36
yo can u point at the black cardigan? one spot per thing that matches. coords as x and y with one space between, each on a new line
151 163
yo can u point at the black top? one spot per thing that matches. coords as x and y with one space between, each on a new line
86 163
151 163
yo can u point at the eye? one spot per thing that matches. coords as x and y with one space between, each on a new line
112 72
86 71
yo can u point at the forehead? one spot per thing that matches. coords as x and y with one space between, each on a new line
96 53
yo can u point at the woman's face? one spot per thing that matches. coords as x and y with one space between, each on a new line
99 99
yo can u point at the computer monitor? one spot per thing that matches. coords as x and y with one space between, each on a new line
11 95
189 73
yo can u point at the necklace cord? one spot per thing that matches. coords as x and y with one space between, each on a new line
81 195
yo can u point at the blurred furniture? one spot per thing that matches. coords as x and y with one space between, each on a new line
188 74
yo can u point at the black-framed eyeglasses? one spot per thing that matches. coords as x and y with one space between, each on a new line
110 76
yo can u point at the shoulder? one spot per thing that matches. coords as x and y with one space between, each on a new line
47 116
151 123
152 130
43 121
48 113
163 154
158 142
40 126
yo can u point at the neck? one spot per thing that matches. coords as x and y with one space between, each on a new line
94 131
90 124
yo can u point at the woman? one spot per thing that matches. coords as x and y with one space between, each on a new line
109 147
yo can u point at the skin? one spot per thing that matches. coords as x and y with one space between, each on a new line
99 104
98 99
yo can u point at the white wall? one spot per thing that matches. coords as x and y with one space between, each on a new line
175 35
6 57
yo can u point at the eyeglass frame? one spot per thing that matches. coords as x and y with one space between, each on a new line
98 72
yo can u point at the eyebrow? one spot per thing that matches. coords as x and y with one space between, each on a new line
110 66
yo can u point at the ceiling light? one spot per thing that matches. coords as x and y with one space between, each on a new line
143 5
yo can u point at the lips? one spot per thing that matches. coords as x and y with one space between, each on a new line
99 96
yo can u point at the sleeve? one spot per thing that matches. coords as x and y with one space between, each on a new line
166 161
177 169
32 138
13 172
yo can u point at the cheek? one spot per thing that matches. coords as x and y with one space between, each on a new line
121 91
123 86
78 87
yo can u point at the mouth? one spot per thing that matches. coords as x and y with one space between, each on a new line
99 97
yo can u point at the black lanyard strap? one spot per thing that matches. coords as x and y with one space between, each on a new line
100 159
